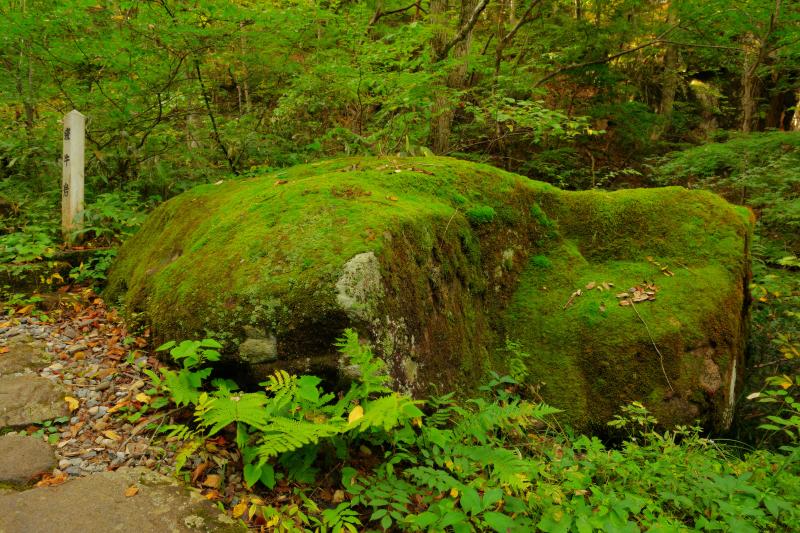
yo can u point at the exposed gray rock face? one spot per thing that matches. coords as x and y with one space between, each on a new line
23 459
29 399
23 353
99 504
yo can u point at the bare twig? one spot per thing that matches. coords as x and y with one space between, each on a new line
660 356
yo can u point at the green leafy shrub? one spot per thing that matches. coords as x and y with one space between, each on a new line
494 463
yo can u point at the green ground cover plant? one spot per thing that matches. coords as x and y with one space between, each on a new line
497 462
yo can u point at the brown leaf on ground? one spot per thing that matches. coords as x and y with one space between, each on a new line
212 481
198 471
50 480
131 491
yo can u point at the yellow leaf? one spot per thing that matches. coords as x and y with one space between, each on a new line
72 403
25 310
239 509
143 398
112 435
131 491
252 511
355 414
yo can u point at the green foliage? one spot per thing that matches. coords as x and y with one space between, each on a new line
50 429
291 415
184 385
479 215
758 170
492 463
111 218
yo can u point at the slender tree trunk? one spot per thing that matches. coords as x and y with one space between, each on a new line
441 114
442 111
754 57
750 90
24 79
669 84
794 125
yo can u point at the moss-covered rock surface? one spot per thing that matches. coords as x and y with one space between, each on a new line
439 262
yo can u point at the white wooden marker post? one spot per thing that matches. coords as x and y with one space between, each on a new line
72 180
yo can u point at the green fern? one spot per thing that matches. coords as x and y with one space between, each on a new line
372 375
184 385
216 413
285 435
283 387
387 412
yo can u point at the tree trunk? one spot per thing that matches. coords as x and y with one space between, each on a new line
442 111
750 90
669 85
794 125
754 57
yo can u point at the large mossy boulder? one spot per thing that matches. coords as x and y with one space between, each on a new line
439 262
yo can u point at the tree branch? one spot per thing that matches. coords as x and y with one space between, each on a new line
463 31
607 59
213 120
526 17
380 14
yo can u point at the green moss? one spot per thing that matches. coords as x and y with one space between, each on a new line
268 251
597 353
540 261
479 215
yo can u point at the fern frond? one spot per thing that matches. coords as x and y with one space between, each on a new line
507 467
438 480
285 434
372 370
283 386
387 412
216 413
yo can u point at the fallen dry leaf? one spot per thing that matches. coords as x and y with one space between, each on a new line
591 285
111 435
72 403
50 481
131 491
119 406
239 509
212 481
392 198
198 471
143 398
281 182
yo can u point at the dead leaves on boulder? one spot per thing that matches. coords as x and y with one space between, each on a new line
645 292
592 285
639 294
663 268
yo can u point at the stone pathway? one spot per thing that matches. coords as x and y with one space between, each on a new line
128 500
60 384
23 460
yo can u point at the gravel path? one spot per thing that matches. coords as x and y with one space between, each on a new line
98 365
